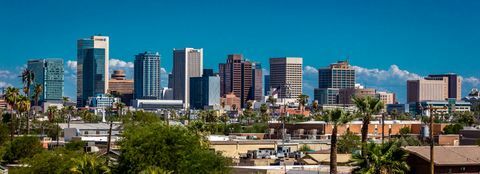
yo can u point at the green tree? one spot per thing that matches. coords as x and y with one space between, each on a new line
348 143
37 91
452 128
388 158
4 133
23 107
264 112
305 148
11 97
302 100
28 77
335 118
22 147
89 164
404 131
155 170
171 148
315 106
56 162
464 118
367 106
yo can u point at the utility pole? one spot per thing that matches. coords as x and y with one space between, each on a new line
432 162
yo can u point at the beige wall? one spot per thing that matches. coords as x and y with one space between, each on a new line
232 149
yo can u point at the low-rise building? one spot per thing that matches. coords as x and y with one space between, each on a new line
439 106
447 159
153 105
102 101
399 108
470 136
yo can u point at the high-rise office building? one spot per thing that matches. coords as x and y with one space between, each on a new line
337 75
170 80
427 89
50 74
205 90
92 67
266 85
454 84
286 76
256 93
236 78
121 85
187 63
147 76
331 80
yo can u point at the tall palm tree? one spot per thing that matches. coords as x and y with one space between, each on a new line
52 111
367 106
88 164
302 101
37 91
335 117
70 110
27 79
119 106
315 106
388 158
272 102
264 112
23 106
11 97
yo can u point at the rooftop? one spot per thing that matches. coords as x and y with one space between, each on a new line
448 155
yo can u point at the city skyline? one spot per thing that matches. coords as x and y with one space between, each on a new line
436 39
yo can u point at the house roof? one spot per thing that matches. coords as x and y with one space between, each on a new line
325 158
448 155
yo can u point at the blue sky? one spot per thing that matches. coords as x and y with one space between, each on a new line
387 41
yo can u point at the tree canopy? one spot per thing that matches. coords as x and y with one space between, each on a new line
171 148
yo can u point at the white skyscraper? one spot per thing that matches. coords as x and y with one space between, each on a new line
187 62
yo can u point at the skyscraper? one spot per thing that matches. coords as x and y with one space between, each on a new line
147 76
266 85
257 81
119 84
236 77
187 62
50 74
454 84
427 89
92 67
337 75
205 90
286 76
331 80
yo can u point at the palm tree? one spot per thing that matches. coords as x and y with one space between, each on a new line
302 101
27 79
70 112
51 111
88 164
272 102
23 106
367 106
315 106
155 170
120 107
11 97
37 90
335 117
388 158
263 111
